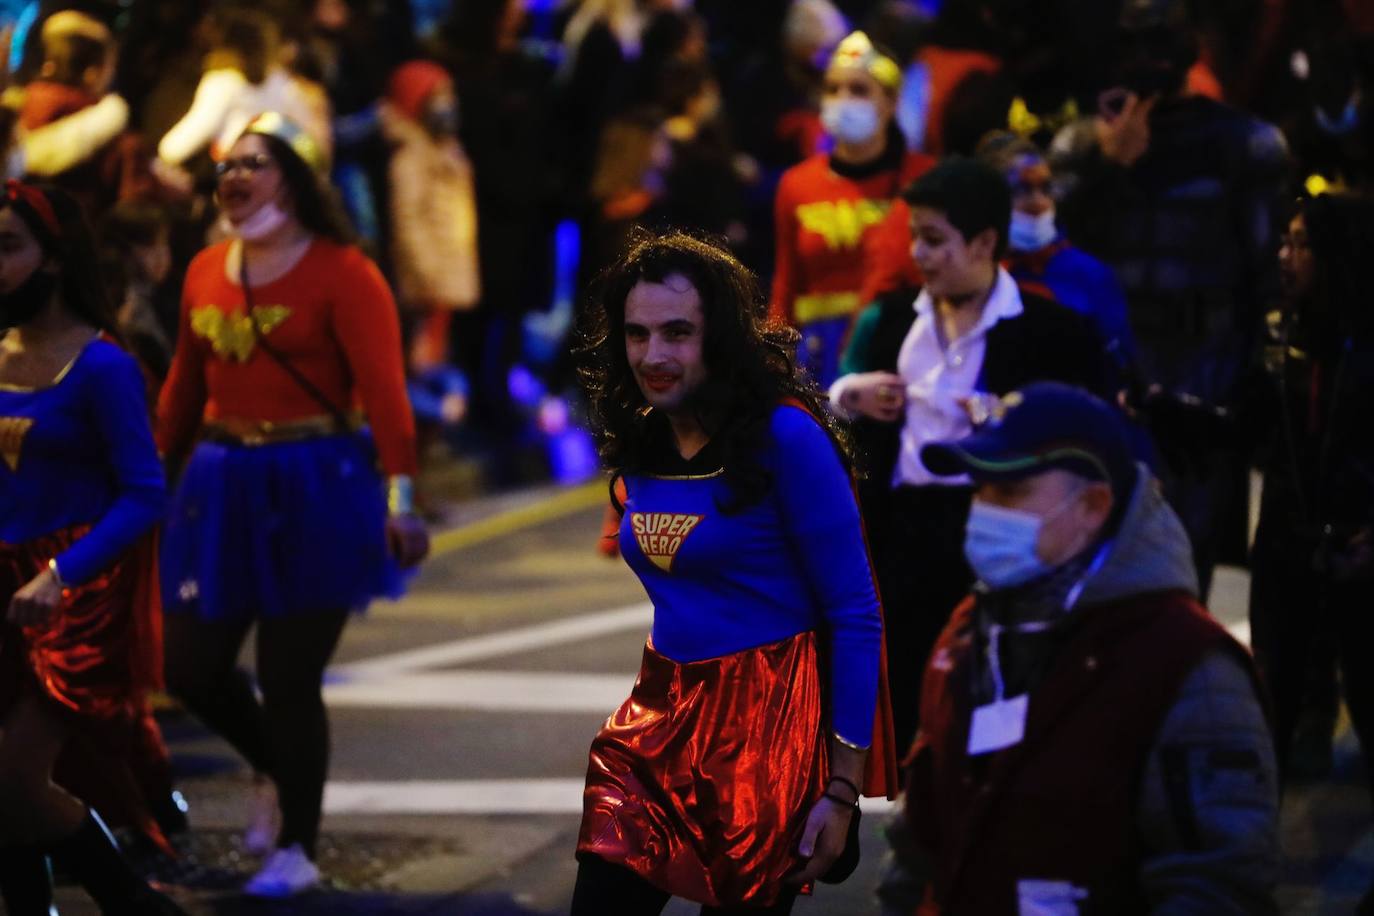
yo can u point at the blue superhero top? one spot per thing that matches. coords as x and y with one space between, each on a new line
80 452
721 582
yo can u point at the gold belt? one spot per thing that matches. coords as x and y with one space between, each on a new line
240 431
820 306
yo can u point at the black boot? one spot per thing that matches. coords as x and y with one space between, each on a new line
92 857
25 882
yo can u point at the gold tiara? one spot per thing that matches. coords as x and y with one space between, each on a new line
275 124
856 52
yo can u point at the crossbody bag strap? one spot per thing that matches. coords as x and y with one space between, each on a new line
339 416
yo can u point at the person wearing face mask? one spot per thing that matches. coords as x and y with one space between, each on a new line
1040 256
918 364
731 776
835 214
1091 740
81 491
433 214
281 521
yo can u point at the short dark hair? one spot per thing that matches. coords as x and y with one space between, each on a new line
970 194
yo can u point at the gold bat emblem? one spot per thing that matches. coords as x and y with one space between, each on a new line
12 433
232 336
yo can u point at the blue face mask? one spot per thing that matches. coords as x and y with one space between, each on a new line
999 544
1031 233
850 120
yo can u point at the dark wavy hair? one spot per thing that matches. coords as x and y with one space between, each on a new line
317 204
1340 231
750 363
74 249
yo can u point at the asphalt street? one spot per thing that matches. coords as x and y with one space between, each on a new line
461 720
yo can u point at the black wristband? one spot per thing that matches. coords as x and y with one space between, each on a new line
849 783
840 800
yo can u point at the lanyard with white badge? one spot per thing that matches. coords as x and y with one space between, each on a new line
1002 723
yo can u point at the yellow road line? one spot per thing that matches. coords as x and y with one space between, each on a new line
566 503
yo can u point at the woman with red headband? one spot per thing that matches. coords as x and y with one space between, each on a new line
280 520
81 488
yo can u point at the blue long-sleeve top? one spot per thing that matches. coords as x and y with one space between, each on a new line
796 561
80 452
1086 285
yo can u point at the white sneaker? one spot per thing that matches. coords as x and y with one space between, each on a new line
287 873
264 819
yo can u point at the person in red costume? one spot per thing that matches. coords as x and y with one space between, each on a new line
837 215
280 519
81 490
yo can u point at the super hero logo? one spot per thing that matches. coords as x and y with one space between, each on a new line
660 534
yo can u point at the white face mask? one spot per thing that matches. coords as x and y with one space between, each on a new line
850 120
1031 233
264 221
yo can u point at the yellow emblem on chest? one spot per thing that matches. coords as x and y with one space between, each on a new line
660 534
12 433
841 222
232 336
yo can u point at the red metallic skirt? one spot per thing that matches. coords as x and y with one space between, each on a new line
101 651
701 782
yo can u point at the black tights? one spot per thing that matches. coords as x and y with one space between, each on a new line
286 735
606 888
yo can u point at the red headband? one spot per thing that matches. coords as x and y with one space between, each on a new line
18 192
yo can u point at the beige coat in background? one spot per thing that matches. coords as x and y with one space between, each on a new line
433 218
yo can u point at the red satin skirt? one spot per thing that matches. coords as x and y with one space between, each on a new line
102 650
701 782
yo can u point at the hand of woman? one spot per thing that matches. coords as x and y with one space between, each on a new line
35 603
822 840
407 538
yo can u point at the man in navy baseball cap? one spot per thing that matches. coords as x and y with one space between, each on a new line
1090 738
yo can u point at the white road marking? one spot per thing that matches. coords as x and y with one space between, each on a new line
512 691
456 796
476 796
505 642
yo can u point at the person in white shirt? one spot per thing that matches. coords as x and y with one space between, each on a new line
243 78
919 365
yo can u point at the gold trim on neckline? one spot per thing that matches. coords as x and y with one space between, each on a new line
26 389
715 473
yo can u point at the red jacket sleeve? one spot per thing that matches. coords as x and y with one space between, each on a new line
785 254
367 326
182 401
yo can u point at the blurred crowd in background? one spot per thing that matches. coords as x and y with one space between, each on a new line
495 154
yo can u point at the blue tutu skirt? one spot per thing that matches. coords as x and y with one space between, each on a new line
272 530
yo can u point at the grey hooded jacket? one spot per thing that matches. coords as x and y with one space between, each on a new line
1207 815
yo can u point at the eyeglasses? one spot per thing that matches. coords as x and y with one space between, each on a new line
250 164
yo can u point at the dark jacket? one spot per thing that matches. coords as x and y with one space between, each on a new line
1046 342
1145 782
1314 403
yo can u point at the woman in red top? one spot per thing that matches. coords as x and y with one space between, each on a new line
839 221
280 519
